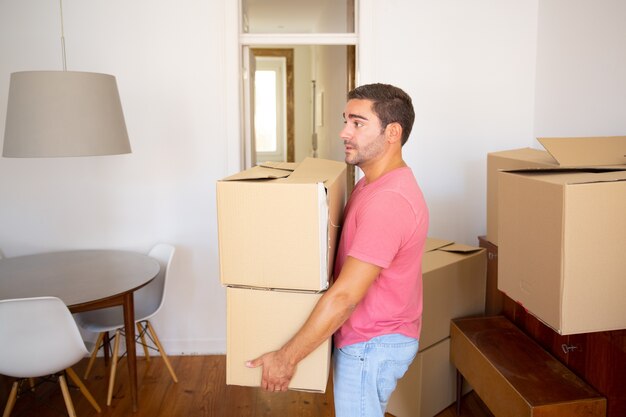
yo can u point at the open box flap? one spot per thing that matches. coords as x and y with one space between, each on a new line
586 151
317 170
285 166
434 244
260 172
572 176
531 156
460 248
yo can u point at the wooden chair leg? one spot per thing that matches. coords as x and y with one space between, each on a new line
141 331
106 348
116 347
11 401
70 372
31 382
92 359
66 396
161 351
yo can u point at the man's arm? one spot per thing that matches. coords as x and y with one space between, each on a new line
331 311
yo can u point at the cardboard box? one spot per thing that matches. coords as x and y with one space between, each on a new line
454 278
260 321
505 160
562 235
559 153
278 224
428 386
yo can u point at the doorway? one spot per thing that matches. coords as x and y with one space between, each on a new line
323 37
318 78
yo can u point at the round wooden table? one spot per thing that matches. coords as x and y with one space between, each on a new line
85 280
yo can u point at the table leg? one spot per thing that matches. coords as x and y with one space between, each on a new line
459 391
129 329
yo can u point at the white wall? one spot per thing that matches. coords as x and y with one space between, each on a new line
581 68
169 62
470 67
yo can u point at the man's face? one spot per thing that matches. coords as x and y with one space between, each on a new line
363 136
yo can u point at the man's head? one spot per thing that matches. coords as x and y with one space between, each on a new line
389 103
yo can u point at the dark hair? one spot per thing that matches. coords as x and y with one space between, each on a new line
389 103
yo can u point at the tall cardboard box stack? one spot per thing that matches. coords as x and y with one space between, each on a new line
454 278
278 227
561 231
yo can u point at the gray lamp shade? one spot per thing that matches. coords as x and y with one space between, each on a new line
64 113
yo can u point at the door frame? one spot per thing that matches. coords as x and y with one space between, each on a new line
236 39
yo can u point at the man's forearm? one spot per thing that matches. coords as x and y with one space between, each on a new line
333 309
328 315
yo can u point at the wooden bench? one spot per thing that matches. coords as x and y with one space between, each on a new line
513 375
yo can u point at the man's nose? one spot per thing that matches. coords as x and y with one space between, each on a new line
344 133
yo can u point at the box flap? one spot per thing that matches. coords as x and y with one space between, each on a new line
439 253
591 178
572 176
317 170
260 172
434 244
523 156
286 166
460 248
609 176
587 151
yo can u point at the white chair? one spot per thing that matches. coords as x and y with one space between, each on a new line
40 338
148 301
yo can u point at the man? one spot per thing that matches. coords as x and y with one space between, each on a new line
374 307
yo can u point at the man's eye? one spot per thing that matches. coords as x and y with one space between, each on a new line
355 123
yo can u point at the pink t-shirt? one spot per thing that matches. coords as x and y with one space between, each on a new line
385 224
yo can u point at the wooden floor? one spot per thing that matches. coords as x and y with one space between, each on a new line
201 391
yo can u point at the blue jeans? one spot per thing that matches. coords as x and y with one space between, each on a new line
365 374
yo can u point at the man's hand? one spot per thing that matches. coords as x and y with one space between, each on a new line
277 370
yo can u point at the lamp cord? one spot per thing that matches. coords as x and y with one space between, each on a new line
62 38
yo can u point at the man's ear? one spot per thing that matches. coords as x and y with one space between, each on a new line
394 132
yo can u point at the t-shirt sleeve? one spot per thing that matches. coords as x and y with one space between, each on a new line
383 224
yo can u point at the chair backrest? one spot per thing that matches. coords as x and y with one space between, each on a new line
38 337
149 299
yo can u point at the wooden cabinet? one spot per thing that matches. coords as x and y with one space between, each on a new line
515 376
599 358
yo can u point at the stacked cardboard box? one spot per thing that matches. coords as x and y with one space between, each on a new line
561 231
278 226
454 278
